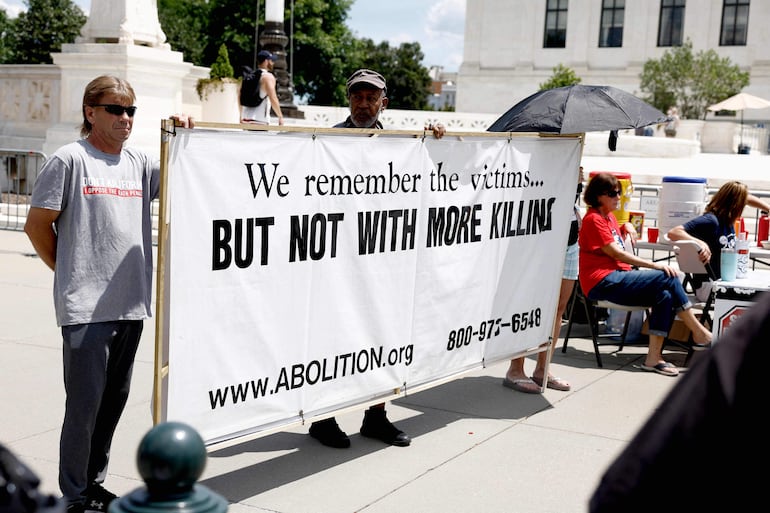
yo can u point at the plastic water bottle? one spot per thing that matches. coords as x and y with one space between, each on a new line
742 246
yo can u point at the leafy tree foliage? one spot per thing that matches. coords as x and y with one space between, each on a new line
562 76
690 81
6 52
185 23
222 67
43 28
324 51
408 81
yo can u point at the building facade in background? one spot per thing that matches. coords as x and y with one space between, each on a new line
512 46
443 92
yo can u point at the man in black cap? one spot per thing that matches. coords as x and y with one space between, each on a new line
260 114
367 96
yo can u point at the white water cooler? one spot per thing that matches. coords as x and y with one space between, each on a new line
681 199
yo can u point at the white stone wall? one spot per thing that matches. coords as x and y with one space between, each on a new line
504 60
29 103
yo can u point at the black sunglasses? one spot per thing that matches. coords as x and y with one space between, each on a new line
117 110
613 194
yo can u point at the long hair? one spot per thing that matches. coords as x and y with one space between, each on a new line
728 202
99 87
599 184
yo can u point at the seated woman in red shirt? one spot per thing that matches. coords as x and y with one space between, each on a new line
606 273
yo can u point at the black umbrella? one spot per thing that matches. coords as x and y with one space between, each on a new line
578 108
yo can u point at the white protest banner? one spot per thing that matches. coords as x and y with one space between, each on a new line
311 272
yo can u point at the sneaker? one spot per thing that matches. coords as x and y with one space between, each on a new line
98 499
329 434
376 425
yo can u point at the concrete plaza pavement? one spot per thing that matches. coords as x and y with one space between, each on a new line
477 446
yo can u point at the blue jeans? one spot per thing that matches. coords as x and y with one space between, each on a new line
662 293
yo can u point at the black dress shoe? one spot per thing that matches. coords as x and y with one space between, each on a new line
376 425
329 433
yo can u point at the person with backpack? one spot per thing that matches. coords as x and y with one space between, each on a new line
256 87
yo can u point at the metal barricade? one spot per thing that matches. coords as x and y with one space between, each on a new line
18 172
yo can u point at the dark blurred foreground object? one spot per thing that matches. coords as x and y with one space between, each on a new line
18 488
579 108
705 446
171 457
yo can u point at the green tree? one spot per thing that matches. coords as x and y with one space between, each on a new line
222 67
324 50
561 76
690 81
408 81
6 28
185 23
43 28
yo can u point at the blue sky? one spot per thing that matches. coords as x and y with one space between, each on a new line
437 25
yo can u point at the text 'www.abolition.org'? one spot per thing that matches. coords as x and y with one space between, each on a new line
307 374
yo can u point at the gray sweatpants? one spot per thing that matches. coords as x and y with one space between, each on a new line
98 360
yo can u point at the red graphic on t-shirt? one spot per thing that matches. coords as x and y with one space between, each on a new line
113 191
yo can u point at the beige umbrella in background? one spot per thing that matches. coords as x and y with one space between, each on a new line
741 101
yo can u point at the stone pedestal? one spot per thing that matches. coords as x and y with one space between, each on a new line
159 77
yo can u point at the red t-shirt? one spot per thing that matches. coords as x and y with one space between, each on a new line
598 231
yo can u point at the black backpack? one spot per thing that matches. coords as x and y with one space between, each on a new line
250 87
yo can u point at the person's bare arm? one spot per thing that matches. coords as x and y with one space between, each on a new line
273 96
679 233
39 229
755 202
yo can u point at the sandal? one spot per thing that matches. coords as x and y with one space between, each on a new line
554 383
664 368
525 385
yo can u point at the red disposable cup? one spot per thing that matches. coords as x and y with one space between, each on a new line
652 234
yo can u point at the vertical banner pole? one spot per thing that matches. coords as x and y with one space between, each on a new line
167 130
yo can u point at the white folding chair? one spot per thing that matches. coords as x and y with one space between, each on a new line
688 259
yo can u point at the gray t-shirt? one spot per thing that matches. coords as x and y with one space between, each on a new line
104 245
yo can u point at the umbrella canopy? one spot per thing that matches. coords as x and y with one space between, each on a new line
576 109
741 101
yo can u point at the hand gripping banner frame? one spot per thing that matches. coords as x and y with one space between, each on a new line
303 272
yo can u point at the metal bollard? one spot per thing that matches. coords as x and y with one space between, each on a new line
171 457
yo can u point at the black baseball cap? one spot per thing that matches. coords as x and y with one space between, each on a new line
264 55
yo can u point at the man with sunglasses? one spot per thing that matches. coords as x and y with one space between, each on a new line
89 221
